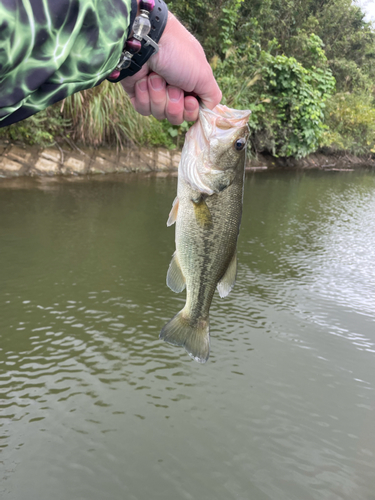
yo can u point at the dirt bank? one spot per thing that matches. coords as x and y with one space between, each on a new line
17 160
324 160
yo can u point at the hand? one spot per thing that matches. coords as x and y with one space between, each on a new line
179 67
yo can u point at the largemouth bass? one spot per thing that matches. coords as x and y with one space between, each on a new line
207 212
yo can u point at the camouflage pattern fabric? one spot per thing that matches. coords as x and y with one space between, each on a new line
50 49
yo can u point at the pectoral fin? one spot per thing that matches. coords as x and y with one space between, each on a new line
202 213
175 278
227 282
173 213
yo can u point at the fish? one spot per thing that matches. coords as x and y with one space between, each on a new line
207 212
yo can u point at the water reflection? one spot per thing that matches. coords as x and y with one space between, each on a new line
95 406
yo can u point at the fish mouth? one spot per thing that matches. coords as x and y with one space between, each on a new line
223 123
224 117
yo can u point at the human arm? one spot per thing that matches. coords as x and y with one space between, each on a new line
50 50
179 68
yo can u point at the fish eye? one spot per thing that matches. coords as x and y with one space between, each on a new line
240 144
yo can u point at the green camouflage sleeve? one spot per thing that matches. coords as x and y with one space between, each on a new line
50 49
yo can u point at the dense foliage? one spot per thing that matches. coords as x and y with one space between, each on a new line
286 98
291 62
306 69
42 129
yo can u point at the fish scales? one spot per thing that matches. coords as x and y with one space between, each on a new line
205 253
207 213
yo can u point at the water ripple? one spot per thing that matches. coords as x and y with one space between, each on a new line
95 406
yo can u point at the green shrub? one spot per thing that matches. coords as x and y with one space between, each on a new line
296 107
41 129
351 123
286 99
158 134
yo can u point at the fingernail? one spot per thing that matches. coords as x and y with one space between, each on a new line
174 94
142 85
157 83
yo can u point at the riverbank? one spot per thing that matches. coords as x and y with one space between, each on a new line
17 160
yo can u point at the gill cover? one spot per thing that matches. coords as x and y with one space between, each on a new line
215 128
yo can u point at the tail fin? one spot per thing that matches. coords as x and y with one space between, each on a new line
195 338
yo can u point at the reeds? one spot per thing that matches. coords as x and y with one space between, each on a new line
104 115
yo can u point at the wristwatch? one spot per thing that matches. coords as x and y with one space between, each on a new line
146 31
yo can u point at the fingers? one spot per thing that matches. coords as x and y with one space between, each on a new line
174 109
179 66
152 96
158 95
191 109
141 101
182 62
129 83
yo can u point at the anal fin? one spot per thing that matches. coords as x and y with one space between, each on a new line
175 279
227 282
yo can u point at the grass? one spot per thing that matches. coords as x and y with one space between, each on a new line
104 115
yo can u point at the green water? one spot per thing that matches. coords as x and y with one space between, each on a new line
95 407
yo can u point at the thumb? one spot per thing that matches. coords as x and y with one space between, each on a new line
207 88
